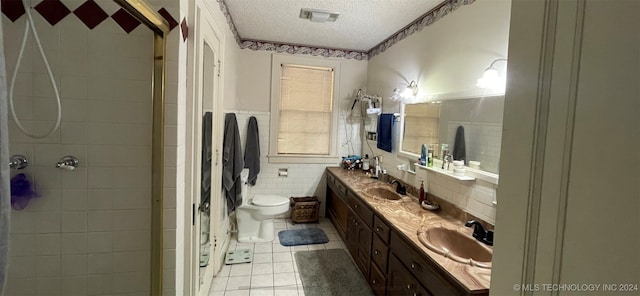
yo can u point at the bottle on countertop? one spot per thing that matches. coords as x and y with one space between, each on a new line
430 156
365 163
421 197
423 155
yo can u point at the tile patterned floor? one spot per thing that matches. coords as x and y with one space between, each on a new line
273 270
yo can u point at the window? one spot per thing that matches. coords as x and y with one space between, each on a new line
303 121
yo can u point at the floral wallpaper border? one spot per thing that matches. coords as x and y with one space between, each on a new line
428 18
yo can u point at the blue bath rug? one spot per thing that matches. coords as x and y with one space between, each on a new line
308 236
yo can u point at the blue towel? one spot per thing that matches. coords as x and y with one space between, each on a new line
385 126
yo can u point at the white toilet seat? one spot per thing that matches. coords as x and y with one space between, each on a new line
269 200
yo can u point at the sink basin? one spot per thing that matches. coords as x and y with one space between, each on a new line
456 245
382 192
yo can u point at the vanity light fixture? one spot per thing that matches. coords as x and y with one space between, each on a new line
405 93
491 79
318 16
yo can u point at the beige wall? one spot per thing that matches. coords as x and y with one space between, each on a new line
570 218
445 59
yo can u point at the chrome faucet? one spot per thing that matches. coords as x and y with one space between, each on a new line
399 188
484 236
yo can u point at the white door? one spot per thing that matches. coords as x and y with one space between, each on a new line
210 235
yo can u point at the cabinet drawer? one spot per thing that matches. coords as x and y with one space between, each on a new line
331 180
377 281
421 268
380 253
359 208
381 229
402 282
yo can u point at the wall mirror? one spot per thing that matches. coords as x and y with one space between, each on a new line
436 123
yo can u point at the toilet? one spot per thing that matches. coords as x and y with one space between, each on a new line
255 215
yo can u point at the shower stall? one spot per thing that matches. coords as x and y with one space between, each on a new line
91 226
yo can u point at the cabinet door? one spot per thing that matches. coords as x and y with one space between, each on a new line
401 282
338 212
363 257
353 222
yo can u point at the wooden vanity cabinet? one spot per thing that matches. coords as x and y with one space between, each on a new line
337 209
390 262
359 242
420 268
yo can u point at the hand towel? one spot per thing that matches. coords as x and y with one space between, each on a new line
385 128
252 151
205 181
232 162
459 149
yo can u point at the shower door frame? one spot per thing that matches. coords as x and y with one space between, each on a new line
143 12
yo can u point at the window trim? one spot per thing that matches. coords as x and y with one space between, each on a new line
276 72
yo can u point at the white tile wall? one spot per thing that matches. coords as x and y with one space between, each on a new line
88 231
302 179
482 141
473 197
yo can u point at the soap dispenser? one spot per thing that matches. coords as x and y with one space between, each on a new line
422 194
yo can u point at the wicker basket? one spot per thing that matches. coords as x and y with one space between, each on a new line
304 209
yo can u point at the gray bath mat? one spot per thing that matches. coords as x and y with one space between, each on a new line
330 272
239 256
308 236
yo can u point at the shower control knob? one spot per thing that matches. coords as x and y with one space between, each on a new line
68 163
18 162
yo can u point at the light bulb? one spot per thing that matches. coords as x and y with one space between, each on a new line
490 79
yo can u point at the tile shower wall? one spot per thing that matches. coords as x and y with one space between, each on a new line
88 232
302 179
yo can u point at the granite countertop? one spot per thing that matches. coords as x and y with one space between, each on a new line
406 217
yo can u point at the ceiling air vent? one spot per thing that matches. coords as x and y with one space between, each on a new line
318 16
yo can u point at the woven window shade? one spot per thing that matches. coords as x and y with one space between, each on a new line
422 126
306 99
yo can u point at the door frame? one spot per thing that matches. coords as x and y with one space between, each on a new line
145 13
204 30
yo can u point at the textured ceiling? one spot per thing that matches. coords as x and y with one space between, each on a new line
362 24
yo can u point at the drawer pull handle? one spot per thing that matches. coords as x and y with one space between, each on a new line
414 265
374 282
376 252
378 229
415 294
357 223
355 206
409 286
